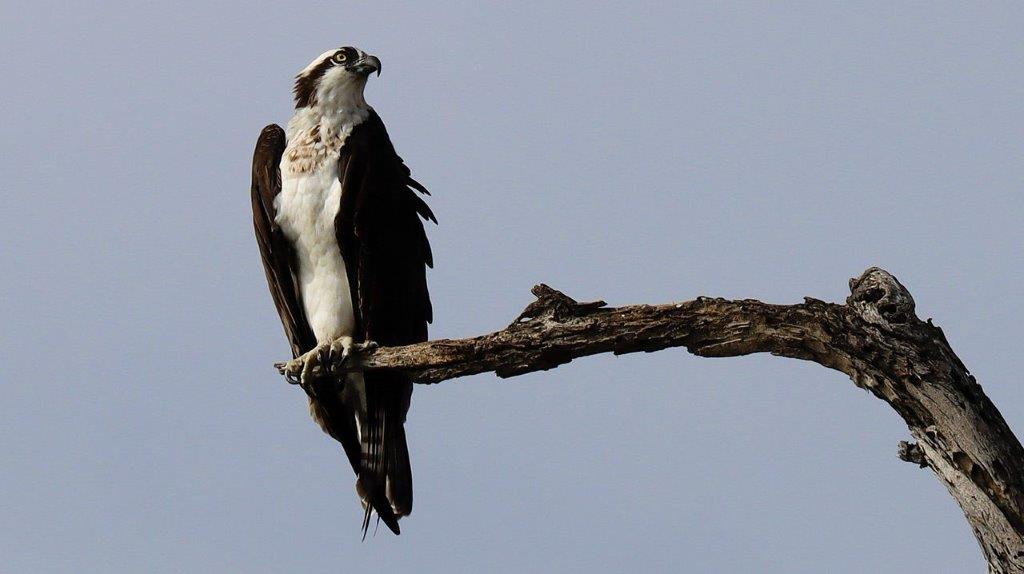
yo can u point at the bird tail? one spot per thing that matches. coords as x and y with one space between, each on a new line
385 475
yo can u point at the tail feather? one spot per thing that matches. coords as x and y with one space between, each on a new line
374 500
399 477
385 475
366 416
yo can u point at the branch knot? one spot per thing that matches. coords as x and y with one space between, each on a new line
552 303
911 452
879 298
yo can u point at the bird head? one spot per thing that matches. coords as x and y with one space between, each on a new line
335 78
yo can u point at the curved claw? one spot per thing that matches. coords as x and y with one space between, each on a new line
340 348
291 371
312 360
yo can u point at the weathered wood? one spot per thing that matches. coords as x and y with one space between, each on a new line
875 338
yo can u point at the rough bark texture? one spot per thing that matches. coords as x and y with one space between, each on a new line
875 338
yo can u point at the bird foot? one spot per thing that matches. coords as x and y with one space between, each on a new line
346 348
299 370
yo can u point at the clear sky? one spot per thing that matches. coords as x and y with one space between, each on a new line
634 153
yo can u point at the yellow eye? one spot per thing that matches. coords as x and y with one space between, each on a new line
340 57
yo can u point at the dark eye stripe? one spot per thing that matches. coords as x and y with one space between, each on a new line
349 53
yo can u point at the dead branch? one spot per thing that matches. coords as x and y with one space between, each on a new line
875 338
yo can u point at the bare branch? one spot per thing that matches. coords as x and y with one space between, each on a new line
875 338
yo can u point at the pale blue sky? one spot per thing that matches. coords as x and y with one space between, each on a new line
635 153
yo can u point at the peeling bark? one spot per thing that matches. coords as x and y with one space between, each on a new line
875 338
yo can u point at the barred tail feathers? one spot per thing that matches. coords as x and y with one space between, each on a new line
385 477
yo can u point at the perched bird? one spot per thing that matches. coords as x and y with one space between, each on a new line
339 224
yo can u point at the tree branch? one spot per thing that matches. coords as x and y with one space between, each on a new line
875 338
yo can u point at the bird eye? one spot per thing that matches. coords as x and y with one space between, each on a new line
340 58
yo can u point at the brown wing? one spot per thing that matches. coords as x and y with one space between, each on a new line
276 251
380 227
380 231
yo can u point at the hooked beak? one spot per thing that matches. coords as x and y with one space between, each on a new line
367 65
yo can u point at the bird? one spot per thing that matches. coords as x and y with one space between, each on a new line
339 221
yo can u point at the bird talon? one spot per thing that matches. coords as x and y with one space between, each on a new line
312 360
293 370
341 350
323 357
299 370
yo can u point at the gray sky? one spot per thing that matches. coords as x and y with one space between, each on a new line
634 153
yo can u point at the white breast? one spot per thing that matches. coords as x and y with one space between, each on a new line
306 209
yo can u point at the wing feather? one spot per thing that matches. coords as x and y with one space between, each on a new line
380 231
380 228
275 250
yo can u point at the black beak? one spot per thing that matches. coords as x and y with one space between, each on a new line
367 65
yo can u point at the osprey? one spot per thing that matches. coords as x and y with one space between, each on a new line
340 229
